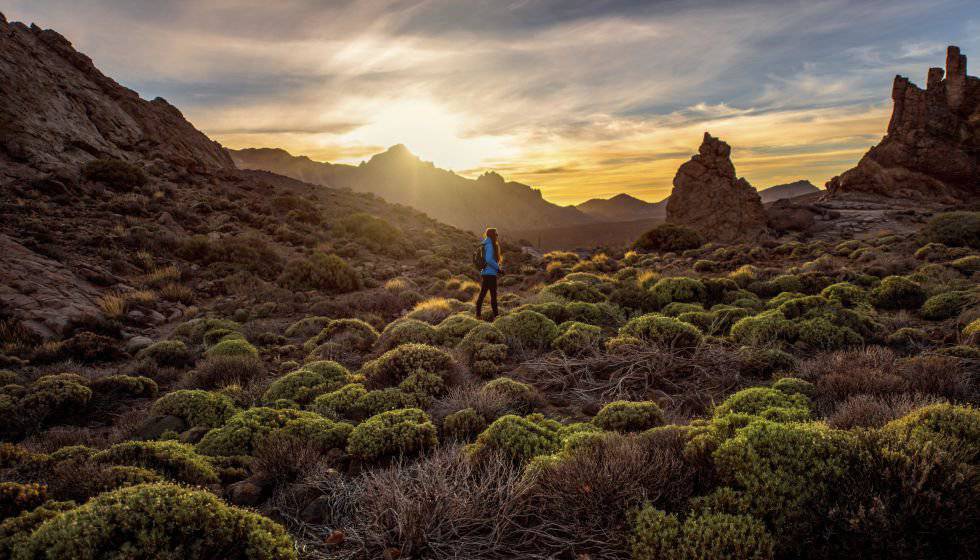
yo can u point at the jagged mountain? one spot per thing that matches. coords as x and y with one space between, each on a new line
623 208
787 190
58 110
399 176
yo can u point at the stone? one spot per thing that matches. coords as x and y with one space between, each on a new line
245 493
316 511
137 343
193 435
709 198
932 149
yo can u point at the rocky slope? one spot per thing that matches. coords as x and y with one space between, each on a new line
932 149
708 197
399 176
623 208
58 111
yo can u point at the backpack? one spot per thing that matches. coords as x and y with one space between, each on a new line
479 261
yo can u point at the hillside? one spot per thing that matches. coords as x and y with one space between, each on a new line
399 176
788 190
623 208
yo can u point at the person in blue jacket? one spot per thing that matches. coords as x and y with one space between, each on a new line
488 276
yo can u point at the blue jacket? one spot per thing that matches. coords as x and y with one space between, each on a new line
492 267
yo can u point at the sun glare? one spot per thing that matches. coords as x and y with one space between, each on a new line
430 131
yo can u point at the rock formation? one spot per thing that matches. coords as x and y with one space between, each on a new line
58 111
932 149
708 197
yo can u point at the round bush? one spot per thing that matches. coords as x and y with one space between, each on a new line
174 460
575 291
758 400
898 292
305 384
55 396
956 229
244 431
795 386
527 330
114 173
945 305
952 427
576 338
463 424
663 330
520 438
352 334
340 403
669 238
383 400
658 535
517 395
819 333
679 289
452 329
626 416
404 331
392 367
166 353
195 407
845 293
766 327
159 521
232 347
393 432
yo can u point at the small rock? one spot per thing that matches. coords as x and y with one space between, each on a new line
245 493
137 343
155 426
194 434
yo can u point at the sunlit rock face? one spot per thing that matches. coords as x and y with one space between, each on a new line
57 110
932 149
708 196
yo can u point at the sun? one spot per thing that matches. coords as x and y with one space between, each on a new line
430 131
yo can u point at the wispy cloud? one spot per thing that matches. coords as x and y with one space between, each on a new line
580 98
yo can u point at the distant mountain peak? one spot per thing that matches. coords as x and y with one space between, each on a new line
788 190
491 177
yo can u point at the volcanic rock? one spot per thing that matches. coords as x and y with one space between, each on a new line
932 149
708 197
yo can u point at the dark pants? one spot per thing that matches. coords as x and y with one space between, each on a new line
487 284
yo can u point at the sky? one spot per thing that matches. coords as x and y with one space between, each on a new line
579 98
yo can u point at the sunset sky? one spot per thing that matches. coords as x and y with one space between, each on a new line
580 98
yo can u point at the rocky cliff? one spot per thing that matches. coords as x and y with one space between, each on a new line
932 148
708 196
57 111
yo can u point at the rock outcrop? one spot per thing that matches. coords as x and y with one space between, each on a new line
708 197
58 111
932 149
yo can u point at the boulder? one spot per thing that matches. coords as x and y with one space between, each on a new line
709 198
932 149
155 426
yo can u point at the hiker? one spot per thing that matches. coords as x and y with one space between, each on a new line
491 259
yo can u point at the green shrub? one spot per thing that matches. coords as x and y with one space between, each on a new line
54 397
244 431
517 395
677 308
658 535
340 403
16 498
392 367
328 273
382 400
766 327
679 289
846 294
967 265
945 305
158 521
124 386
576 338
372 231
956 229
305 384
663 330
451 330
527 330
819 333
307 326
787 471
394 432
404 331
795 386
232 347
114 173
599 314
166 353
352 334
520 438
195 329
195 407
760 401
575 291
669 238
423 385
972 331
172 459
463 424
316 431
953 428
898 292
626 416
15 531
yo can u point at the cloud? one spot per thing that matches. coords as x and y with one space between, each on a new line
577 97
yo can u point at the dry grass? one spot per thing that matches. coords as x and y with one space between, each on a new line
684 381
113 305
160 276
177 292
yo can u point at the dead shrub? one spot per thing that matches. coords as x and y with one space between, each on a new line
222 371
869 411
